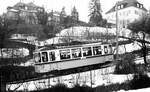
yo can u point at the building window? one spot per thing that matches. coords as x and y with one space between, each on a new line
122 6
138 5
119 7
141 6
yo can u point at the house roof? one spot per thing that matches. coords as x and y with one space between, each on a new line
126 3
32 4
20 4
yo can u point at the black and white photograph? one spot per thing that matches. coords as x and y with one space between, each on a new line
74 45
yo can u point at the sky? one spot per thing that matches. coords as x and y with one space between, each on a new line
56 5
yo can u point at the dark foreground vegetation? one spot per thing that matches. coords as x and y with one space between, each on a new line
139 81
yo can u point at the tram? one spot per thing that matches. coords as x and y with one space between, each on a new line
70 57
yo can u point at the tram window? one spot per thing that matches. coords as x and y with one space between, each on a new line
87 51
110 49
97 50
44 57
105 49
52 56
76 52
65 54
37 57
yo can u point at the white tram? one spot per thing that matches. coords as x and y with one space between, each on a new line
72 57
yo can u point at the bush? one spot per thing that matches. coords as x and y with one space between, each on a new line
140 81
126 65
102 88
112 87
59 88
84 88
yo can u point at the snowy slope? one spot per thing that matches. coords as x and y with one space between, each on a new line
138 90
80 32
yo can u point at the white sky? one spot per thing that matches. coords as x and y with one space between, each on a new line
81 5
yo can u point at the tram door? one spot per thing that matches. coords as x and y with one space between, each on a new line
57 55
52 56
44 57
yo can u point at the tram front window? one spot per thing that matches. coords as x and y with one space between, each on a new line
87 51
44 57
76 52
65 54
52 56
97 50
37 57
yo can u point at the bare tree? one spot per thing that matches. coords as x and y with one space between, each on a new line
140 29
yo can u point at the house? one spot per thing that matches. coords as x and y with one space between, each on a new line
53 17
24 12
127 11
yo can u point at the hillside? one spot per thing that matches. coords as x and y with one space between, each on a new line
81 33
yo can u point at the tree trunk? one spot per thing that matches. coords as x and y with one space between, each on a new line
144 50
2 84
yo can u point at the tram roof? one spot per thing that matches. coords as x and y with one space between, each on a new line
70 45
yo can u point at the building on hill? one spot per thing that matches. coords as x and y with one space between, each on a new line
25 12
53 17
127 10
75 14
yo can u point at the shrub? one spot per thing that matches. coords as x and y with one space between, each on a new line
84 88
112 87
59 88
102 88
126 65
140 81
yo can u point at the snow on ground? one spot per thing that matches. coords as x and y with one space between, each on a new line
138 90
14 52
127 48
80 32
96 77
